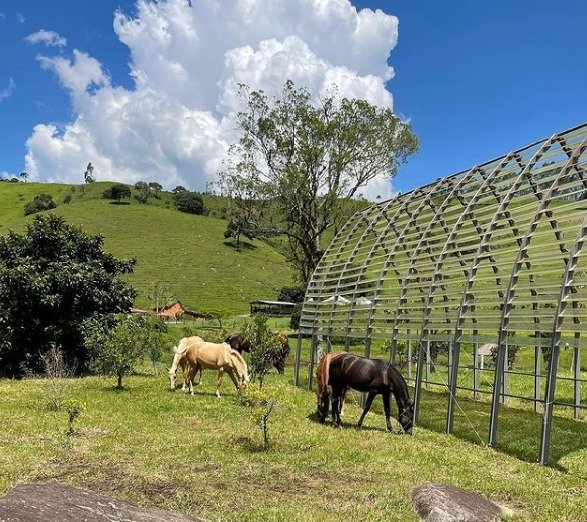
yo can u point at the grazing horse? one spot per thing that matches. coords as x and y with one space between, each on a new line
219 357
342 371
239 342
277 358
180 359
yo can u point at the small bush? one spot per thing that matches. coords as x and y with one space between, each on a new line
117 192
293 294
189 202
262 404
296 316
56 371
39 203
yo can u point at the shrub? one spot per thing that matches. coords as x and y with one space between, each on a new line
117 192
262 404
293 294
189 202
115 351
296 316
143 196
53 278
142 185
39 203
264 345
56 373
179 189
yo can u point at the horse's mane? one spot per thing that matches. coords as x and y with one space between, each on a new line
399 382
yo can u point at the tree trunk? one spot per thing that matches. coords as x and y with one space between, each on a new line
119 385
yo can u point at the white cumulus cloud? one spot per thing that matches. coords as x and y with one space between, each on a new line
49 38
186 59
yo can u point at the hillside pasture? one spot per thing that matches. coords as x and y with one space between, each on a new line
201 455
187 253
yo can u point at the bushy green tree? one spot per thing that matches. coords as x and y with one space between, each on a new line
263 345
53 278
189 202
116 351
39 203
117 192
310 157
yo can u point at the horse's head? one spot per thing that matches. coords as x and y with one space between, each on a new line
406 417
240 368
172 378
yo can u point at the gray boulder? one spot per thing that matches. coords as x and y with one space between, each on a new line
58 503
447 503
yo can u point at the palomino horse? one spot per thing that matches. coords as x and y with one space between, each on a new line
343 370
180 360
241 344
219 357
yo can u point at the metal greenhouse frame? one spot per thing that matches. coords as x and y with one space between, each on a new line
489 255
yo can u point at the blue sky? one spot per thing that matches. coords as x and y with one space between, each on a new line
475 78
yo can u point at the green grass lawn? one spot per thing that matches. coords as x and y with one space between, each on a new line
201 455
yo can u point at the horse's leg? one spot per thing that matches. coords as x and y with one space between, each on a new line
368 403
387 409
342 400
219 381
190 387
198 369
336 402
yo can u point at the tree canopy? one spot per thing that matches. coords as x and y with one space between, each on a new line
53 278
309 157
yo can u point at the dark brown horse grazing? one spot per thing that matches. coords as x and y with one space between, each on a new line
238 342
241 344
342 371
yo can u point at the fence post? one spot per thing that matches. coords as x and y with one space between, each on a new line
506 376
548 404
537 370
298 359
419 372
409 341
453 374
497 381
312 358
427 381
577 375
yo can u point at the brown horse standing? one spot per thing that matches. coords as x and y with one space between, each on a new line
342 371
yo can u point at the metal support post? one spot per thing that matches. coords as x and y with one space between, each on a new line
497 382
548 405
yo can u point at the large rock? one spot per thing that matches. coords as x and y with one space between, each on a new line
58 503
446 503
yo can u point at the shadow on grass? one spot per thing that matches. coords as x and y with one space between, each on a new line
244 245
313 417
250 445
519 430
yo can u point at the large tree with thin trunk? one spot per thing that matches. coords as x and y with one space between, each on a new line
305 158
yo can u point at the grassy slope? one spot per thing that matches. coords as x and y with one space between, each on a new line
199 455
184 251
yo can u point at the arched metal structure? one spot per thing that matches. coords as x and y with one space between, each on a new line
490 255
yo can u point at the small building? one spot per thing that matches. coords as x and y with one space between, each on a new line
272 307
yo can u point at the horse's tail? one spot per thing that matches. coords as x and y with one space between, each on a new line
322 395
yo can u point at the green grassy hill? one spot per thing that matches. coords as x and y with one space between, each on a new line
185 252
